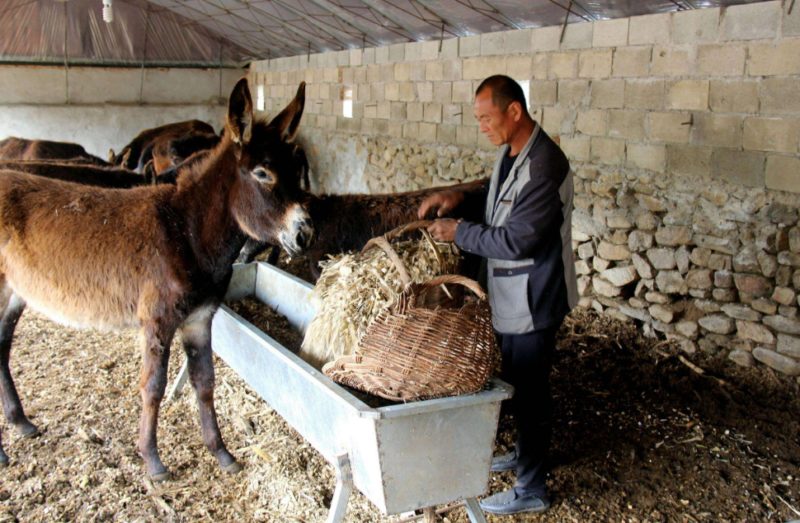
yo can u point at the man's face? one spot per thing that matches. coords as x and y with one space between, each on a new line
496 124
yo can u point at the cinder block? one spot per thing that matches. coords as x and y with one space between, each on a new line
424 91
469 46
370 110
721 60
450 49
356 57
783 173
430 50
772 134
493 43
668 127
644 94
384 109
671 61
427 132
382 55
651 157
750 21
545 38
407 92
397 52
359 75
413 51
432 112
690 160
446 134
780 95
377 92
767 59
417 72
518 42
632 61
608 94
467 135
451 114
695 25
402 72
558 120
577 148
649 29
688 94
742 167
403 111
434 71
608 150
572 92
592 122
791 23
577 36
717 130
595 63
540 66
563 65
518 67
543 92
443 92
733 96
411 130
480 68
626 124
610 33
462 91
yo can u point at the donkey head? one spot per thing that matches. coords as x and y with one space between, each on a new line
267 200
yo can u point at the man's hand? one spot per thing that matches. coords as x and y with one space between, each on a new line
443 202
444 229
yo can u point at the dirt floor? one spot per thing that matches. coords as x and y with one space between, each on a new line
639 435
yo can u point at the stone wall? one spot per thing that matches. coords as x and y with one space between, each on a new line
683 130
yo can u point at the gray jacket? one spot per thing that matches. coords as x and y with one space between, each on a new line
527 239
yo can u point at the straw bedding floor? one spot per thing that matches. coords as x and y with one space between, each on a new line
639 436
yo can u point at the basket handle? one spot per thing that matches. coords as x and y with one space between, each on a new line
455 279
383 243
407 228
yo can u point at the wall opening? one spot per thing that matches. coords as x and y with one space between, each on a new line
347 102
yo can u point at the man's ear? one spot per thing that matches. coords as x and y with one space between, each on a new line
516 110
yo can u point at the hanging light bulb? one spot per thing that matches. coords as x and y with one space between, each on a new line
108 13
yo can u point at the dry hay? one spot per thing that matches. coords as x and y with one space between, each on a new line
355 287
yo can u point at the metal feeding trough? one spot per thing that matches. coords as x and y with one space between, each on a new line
402 457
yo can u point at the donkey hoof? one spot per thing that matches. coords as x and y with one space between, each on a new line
232 468
160 477
28 430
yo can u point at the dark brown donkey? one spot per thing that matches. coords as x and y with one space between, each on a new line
157 258
14 148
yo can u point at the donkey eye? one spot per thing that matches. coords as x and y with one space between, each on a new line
263 175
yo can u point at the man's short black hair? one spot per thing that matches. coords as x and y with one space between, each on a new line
504 91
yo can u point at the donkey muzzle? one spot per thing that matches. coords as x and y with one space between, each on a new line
299 235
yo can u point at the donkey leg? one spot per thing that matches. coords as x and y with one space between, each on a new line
152 384
12 407
196 333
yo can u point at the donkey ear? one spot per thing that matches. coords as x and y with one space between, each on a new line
240 113
288 120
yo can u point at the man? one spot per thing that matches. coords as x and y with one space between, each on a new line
530 273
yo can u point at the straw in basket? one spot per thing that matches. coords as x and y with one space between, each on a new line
412 352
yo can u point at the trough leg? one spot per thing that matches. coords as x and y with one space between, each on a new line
344 486
152 383
196 333
474 511
180 381
12 407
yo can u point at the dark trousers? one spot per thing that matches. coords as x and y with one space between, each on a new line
527 359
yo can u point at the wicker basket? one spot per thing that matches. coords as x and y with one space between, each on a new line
411 352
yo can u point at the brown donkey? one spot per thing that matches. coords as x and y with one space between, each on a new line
157 258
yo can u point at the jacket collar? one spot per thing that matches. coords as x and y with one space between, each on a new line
494 200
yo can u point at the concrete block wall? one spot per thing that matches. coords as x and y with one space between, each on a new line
102 108
683 129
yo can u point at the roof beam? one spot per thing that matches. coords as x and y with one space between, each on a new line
342 38
394 13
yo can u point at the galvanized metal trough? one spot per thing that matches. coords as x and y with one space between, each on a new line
401 457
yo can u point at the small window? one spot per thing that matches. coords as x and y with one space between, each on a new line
347 102
526 88
260 98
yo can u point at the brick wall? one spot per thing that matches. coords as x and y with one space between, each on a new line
683 129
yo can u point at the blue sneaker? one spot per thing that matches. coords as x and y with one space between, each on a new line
512 502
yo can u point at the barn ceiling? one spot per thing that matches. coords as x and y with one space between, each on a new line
232 32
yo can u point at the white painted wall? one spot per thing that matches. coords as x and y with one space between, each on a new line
102 108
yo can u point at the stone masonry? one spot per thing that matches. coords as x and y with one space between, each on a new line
683 130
